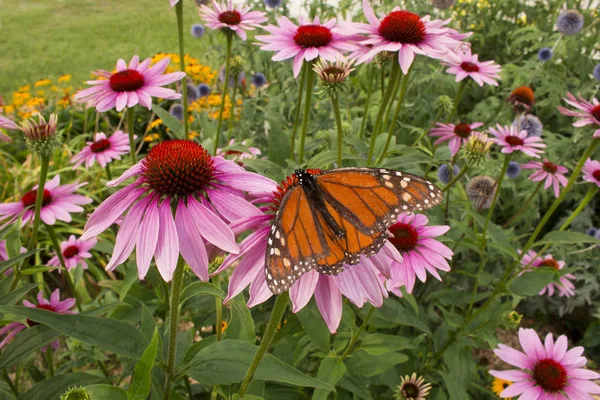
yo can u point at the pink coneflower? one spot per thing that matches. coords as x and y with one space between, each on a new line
6 124
554 174
236 19
74 252
457 135
591 171
173 2
232 153
470 66
305 42
408 34
54 305
566 287
510 140
130 85
207 192
102 149
589 112
413 388
57 204
421 253
546 371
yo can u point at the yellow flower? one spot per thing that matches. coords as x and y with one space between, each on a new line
42 82
64 78
152 137
9 109
40 93
24 88
498 385
192 135
224 326
155 123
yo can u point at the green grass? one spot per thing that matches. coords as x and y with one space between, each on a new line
49 38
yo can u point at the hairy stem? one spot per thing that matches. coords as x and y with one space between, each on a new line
173 325
310 82
225 87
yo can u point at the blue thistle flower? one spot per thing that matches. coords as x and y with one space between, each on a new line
545 54
259 80
203 90
569 22
273 3
444 175
176 110
591 232
193 93
513 170
198 30
531 124
596 72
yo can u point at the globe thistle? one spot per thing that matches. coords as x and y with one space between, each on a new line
203 90
444 105
201 2
40 135
333 74
522 99
596 72
531 124
259 80
176 110
591 231
513 170
413 388
235 71
273 3
76 393
444 174
198 30
193 93
569 22
480 191
545 54
442 4
477 148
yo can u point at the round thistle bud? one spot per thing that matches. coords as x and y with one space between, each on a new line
442 4
192 92
273 3
203 90
531 124
545 54
40 135
198 30
445 175
333 75
513 170
480 191
477 148
591 231
76 393
259 80
569 22
512 320
596 72
444 105
176 110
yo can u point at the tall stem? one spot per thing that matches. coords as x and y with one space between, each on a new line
270 331
524 206
298 108
225 87
496 194
50 360
367 101
108 173
130 131
232 116
382 109
179 13
173 325
340 132
61 259
218 308
310 83
463 171
356 335
403 87
457 98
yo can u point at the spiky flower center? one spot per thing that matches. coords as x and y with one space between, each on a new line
410 391
46 307
178 168
550 375
71 251
313 36
462 130
522 95
100 146
550 263
549 167
596 113
405 236
402 27
230 17
468 66
29 198
335 71
514 140
128 80
596 174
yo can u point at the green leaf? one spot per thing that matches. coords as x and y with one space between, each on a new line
170 121
200 288
247 397
106 392
379 343
16 295
315 327
265 167
530 283
241 324
52 388
15 260
25 343
367 365
454 388
497 234
142 374
410 299
566 237
226 362
108 334
331 370
355 385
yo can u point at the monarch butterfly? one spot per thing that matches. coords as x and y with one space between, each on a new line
326 219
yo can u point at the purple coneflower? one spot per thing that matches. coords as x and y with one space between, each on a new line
455 135
591 171
232 18
413 388
102 149
205 192
238 155
480 71
74 252
510 140
6 124
554 174
565 288
130 85
589 112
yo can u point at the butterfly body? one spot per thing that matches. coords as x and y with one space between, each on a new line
328 219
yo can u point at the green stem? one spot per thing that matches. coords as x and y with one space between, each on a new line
367 101
50 361
463 171
130 129
108 173
225 87
298 108
457 98
232 116
357 334
173 325
496 194
340 132
270 331
179 13
61 258
310 82
379 120
403 87
219 308
524 206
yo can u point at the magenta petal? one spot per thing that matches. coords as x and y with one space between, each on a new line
244 273
303 289
259 290
191 244
147 238
232 207
167 248
329 302
211 227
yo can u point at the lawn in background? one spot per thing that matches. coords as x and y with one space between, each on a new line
49 38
